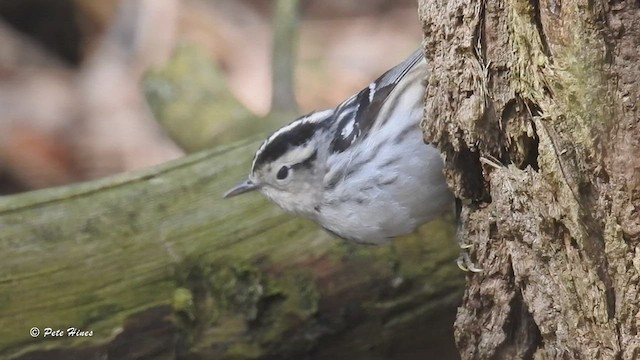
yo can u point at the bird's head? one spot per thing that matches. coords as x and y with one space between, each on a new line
289 166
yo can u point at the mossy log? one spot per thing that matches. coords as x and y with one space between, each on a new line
157 265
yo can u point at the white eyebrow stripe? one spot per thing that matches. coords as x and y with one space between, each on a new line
309 118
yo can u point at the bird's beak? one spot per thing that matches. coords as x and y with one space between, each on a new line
241 188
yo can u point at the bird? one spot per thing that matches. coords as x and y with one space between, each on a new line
362 170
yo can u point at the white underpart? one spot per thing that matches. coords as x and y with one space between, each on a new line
376 203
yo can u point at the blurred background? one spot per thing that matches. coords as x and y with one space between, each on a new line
77 76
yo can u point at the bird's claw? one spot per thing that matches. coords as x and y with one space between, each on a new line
465 246
465 264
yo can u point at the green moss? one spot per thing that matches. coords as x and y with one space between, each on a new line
235 291
189 97
530 65
571 91
579 87
182 300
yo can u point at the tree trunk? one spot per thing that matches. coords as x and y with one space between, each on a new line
535 106
156 265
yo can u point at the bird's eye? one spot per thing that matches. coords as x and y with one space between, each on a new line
282 173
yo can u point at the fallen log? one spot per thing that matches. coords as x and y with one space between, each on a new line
155 264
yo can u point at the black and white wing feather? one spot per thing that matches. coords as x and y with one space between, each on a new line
357 115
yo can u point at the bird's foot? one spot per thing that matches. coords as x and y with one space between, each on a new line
465 263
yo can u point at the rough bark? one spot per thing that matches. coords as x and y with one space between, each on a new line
535 106
158 266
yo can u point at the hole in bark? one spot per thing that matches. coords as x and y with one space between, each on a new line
493 230
574 243
523 336
532 144
522 148
469 170
459 17
523 331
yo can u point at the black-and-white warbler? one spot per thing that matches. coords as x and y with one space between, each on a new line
362 170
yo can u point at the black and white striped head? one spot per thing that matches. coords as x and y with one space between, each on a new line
288 167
